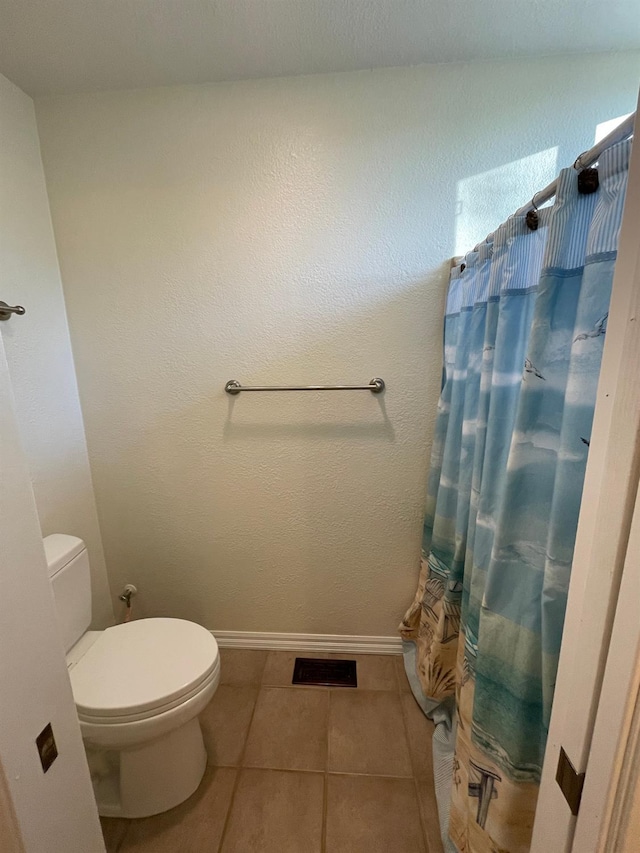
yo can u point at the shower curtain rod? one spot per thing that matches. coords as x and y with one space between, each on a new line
587 158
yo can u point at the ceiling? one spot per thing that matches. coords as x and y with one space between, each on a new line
60 46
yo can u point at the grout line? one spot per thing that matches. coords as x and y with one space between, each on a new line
396 669
325 786
325 793
320 687
413 774
127 825
369 775
281 770
425 836
338 688
312 772
241 767
229 808
315 773
264 666
326 767
239 770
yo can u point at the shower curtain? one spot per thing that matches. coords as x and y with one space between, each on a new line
525 324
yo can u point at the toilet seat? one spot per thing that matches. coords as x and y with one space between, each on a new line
96 719
141 669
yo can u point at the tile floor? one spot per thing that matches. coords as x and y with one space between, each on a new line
302 769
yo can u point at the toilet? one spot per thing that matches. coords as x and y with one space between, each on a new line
139 688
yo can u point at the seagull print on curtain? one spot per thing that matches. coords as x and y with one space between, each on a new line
524 331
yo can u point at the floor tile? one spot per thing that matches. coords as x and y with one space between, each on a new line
403 681
429 811
367 733
242 666
225 722
193 827
375 672
276 812
369 814
278 671
420 734
113 831
289 730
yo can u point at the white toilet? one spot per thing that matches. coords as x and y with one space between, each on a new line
138 689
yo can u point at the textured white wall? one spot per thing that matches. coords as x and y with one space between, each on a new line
286 231
38 347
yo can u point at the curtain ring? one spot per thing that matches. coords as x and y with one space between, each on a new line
532 218
588 179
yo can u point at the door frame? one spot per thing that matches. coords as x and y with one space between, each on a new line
46 796
610 807
10 835
606 514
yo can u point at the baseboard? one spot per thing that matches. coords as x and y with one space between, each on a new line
345 643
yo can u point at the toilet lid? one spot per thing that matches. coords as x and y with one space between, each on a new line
142 665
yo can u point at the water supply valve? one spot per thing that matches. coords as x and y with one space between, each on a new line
127 594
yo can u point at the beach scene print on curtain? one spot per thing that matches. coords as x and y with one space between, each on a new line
525 326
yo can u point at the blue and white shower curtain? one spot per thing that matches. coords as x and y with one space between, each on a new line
526 320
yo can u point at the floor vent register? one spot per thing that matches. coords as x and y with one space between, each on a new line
325 673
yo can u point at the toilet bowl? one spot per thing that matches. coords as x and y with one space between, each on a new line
138 688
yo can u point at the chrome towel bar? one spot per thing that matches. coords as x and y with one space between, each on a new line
376 386
7 310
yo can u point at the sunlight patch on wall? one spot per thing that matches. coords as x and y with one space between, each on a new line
606 127
487 199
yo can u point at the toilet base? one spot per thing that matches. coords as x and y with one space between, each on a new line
151 778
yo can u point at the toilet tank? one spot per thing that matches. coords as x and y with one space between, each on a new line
68 564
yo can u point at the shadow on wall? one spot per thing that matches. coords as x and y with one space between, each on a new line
382 430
